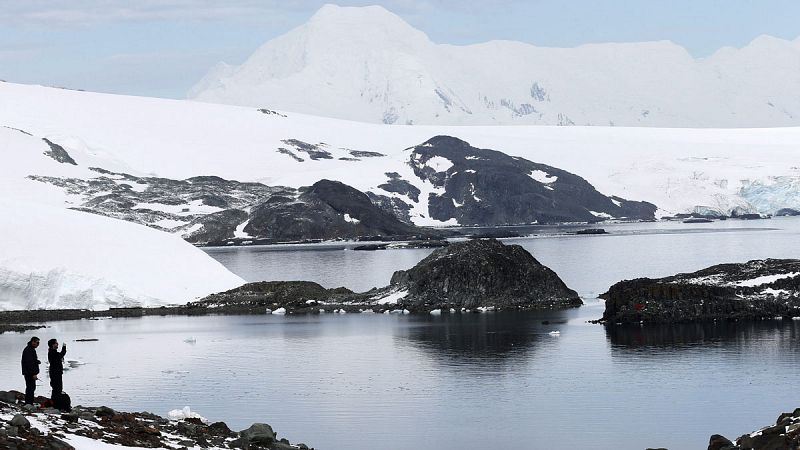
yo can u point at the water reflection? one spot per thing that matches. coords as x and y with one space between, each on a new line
488 339
781 333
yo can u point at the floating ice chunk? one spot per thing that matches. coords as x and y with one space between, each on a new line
484 309
368 311
280 311
405 311
554 333
452 310
436 312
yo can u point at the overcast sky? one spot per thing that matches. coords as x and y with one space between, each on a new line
162 47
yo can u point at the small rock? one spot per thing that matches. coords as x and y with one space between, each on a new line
70 417
104 411
719 442
20 421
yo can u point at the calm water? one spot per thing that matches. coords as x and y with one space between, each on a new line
496 380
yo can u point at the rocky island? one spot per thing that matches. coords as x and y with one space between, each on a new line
469 275
756 289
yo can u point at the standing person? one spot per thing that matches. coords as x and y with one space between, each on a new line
30 368
56 360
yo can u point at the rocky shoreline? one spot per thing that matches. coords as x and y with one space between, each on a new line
43 428
36 428
784 435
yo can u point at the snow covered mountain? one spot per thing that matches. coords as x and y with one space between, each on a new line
367 64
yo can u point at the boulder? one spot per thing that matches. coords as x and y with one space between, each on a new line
259 434
20 421
479 273
8 397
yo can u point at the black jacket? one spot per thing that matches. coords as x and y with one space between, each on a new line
56 360
30 362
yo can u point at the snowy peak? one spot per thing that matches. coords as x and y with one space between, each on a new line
367 64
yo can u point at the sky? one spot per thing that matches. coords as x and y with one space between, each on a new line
160 48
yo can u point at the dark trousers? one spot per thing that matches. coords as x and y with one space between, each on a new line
30 387
57 384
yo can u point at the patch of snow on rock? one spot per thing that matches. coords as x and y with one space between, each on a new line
766 279
543 177
392 298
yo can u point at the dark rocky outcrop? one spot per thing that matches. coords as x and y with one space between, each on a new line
296 296
487 187
787 212
784 435
58 153
752 290
327 210
478 273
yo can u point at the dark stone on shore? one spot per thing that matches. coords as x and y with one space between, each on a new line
259 434
104 411
720 292
8 397
20 421
719 442
479 273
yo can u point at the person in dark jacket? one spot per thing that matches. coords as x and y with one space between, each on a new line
30 368
56 360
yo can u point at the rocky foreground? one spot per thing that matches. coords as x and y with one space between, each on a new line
757 289
32 428
784 435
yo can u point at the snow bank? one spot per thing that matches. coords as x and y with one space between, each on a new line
56 258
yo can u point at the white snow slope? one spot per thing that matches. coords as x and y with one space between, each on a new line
53 257
367 64
676 169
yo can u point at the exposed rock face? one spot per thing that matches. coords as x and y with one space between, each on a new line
487 187
326 210
755 289
482 273
58 153
210 209
784 435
